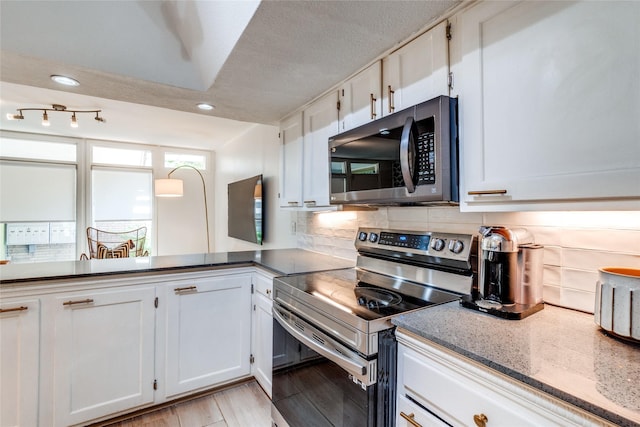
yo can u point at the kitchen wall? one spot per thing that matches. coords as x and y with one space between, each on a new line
255 152
576 243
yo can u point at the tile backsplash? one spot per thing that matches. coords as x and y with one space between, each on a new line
576 244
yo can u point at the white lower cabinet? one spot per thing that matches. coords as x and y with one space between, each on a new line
19 362
80 352
437 387
207 328
262 336
103 353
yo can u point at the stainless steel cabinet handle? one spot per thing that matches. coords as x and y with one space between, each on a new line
310 202
82 301
410 419
486 192
390 94
480 420
185 289
407 153
292 203
373 107
7 310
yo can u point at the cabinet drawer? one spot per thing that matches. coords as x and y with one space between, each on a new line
457 396
418 416
263 284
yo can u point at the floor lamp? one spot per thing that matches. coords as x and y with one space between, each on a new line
170 187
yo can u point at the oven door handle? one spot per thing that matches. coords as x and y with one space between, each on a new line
348 364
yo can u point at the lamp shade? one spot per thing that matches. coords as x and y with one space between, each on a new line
168 187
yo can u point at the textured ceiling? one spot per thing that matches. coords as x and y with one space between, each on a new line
255 62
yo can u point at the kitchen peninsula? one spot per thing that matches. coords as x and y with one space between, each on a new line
84 341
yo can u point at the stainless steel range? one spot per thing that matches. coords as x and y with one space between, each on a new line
334 348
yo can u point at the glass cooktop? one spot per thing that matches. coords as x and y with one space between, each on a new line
341 289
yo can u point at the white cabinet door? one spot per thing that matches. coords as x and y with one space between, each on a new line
291 161
416 72
549 103
320 123
19 362
208 332
360 100
103 353
262 335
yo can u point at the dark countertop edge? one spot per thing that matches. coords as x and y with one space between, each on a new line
538 385
172 269
218 261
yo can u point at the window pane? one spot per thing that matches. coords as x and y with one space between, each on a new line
119 195
38 150
172 160
121 156
28 242
37 192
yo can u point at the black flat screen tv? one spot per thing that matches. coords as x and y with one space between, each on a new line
245 213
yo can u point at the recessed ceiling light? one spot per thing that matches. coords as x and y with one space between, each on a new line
205 106
64 80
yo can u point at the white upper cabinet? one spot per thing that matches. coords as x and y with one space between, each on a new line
291 161
416 72
360 98
549 105
320 123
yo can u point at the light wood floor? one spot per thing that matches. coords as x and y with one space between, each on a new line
245 405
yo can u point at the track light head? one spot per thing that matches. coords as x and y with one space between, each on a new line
74 121
18 116
45 119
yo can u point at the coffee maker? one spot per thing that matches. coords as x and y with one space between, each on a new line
510 284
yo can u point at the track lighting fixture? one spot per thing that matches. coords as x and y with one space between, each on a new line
56 108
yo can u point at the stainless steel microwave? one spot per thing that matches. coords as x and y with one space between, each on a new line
409 157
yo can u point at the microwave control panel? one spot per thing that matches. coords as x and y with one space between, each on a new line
426 161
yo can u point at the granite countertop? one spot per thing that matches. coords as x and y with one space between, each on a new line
279 261
559 351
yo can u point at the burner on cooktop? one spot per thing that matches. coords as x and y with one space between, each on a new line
367 297
374 298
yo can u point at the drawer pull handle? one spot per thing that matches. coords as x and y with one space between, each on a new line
486 192
292 203
82 301
480 420
185 289
7 310
410 419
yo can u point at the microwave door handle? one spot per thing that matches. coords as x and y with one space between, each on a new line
407 153
339 359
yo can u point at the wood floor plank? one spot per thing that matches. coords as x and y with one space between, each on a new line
161 418
245 406
200 412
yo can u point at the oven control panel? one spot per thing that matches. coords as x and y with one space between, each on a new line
435 244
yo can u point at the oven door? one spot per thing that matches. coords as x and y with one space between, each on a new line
316 380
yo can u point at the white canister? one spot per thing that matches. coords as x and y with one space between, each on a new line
617 307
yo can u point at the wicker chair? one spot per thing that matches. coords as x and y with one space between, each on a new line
109 244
